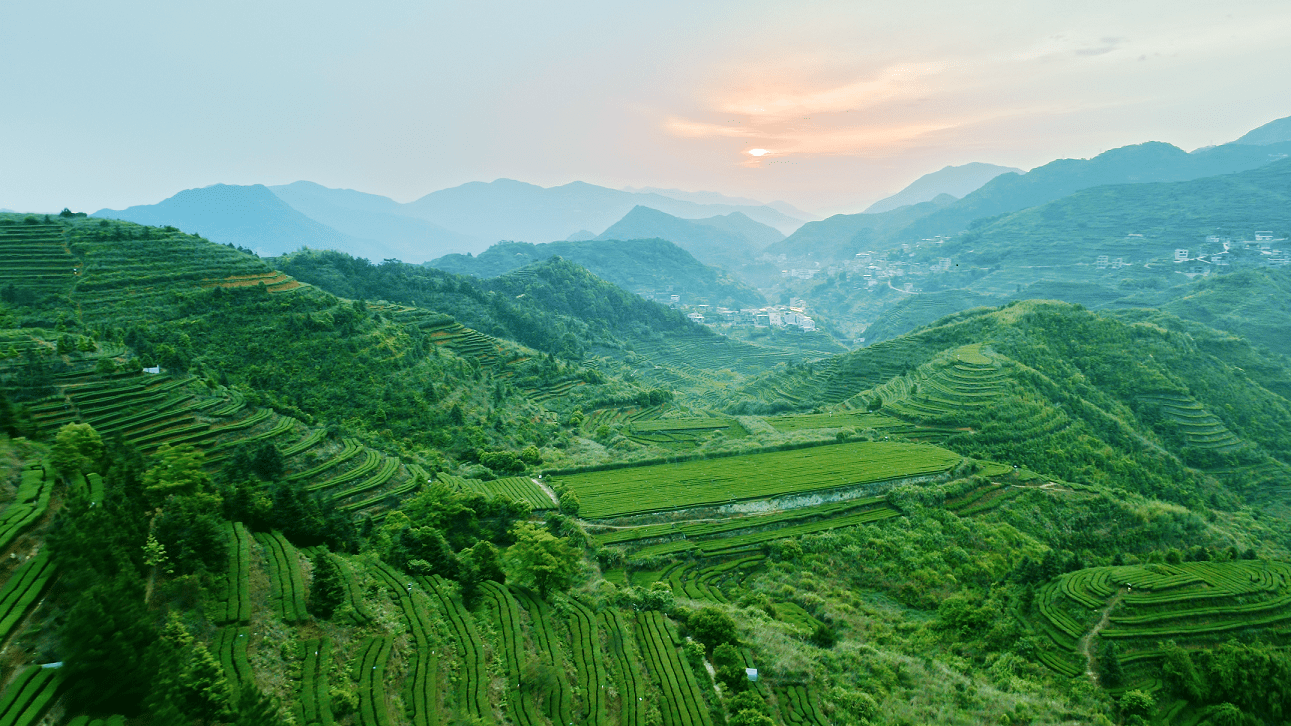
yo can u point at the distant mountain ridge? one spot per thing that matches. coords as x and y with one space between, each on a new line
1273 132
467 218
957 181
720 241
246 216
1009 192
511 210
640 265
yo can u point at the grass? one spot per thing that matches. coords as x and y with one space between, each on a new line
660 487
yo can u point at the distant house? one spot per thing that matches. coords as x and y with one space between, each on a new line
154 370
762 320
1101 262
1264 236
675 299
1181 255
696 318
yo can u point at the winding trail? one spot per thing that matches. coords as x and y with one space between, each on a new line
1087 642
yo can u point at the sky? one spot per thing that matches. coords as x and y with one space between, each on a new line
827 105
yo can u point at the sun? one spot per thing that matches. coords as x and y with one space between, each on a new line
757 152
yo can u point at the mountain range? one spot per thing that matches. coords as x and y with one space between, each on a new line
468 218
957 181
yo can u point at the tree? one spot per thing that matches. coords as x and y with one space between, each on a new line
1138 703
540 560
729 665
569 503
1110 672
531 455
750 717
713 627
105 638
203 689
176 470
77 449
325 591
256 709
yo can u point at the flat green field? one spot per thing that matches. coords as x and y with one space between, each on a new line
715 481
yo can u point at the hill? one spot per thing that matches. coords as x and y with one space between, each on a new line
718 241
1008 193
1137 222
1273 132
957 181
374 217
511 210
843 235
653 266
245 216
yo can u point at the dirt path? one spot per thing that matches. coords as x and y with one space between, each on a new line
547 490
1087 642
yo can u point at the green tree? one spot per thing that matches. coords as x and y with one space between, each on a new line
175 470
540 560
713 627
569 503
1138 703
531 455
1110 672
77 449
105 637
729 665
750 717
254 708
326 591
203 689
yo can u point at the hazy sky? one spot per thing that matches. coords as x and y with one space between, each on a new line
113 104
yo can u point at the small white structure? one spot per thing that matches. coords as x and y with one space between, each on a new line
1181 255
752 674
1101 262
696 318
154 370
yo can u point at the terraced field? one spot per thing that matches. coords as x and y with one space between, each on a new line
1192 602
682 433
1200 428
711 537
29 695
29 504
517 488
35 257
658 487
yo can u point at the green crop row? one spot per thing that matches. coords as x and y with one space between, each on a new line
22 588
29 504
398 491
517 488
370 463
624 669
247 422
374 653
506 616
84 720
473 679
799 706
237 600
347 452
682 701
231 643
287 592
559 699
421 690
308 442
389 465
283 425
314 698
29 695
700 482
589 664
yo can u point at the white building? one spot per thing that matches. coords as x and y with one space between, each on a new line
1181 255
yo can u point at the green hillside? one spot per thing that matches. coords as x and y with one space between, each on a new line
378 495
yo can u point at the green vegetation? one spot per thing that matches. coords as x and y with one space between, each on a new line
541 499
720 481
